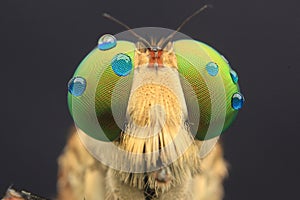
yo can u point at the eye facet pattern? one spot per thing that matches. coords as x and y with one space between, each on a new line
77 86
107 42
121 64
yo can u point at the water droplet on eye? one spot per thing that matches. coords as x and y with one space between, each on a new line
234 76
121 64
212 68
107 42
76 86
237 101
225 59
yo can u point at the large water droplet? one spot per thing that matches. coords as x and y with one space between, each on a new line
76 86
237 101
121 64
107 42
234 76
212 68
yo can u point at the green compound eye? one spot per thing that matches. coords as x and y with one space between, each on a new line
100 110
214 83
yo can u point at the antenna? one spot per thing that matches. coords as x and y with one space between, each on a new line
108 16
186 21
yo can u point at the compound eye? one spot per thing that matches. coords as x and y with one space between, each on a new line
99 90
215 85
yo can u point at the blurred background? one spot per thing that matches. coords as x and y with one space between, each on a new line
42 42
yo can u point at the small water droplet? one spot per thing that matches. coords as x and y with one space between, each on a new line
76 86
212 68
234 76
237 101
107 42
225 59
121 64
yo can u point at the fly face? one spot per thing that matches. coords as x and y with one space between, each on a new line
153 109
156 114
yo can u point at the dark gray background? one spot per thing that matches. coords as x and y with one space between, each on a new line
43 41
